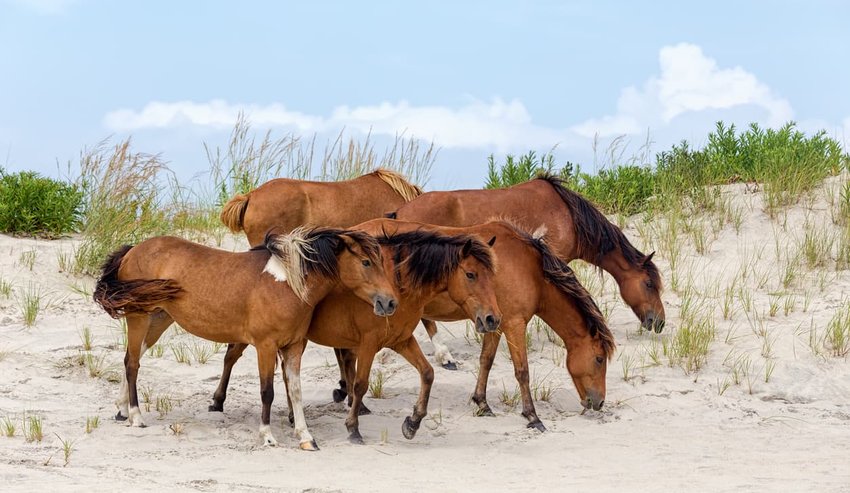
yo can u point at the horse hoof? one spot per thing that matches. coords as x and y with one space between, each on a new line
216 408
339 395
537 425
355 438
310 446
409 428
485 412
120 417
363 411
450 365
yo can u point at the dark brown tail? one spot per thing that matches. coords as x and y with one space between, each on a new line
119 298
234 212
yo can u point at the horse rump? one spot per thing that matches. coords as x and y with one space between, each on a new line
119 298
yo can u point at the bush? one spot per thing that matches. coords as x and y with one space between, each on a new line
526 167
625 189
31 204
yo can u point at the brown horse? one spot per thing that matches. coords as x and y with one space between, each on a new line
240 298
426 263
286 204
575 230
534 282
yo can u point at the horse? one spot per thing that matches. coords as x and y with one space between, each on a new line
286 204
426 264
264 297
534 282
575 230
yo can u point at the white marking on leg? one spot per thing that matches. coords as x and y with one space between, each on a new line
123 401
294 389
266 436
135 418
441 351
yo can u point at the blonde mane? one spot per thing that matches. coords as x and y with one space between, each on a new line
396 181
289 253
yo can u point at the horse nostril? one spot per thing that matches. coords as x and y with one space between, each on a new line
392 304
601 403
491 321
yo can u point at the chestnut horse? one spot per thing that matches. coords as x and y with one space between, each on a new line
426 264
264 297
286 204
575 230
534 282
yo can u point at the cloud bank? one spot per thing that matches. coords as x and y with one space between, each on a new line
688 82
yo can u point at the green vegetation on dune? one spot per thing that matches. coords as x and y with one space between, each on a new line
33 205
784 161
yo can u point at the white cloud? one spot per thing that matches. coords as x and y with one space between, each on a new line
45 7
497 124
689 82
689 86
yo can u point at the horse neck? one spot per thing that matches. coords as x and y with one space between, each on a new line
560 313
318 287
615 263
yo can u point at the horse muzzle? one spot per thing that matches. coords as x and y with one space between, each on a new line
651 321
384 305
487 323
593 400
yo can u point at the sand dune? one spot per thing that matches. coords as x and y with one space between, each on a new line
662 429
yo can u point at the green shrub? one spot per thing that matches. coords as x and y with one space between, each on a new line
624 189
31 204
526 167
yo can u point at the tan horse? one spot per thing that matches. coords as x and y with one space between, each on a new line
240 298
534 281
286 204
426 263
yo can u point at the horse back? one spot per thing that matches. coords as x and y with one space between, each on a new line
285 204
529 205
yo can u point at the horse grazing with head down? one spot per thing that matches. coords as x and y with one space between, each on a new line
285 204
427 263
575 229
531 280
264 297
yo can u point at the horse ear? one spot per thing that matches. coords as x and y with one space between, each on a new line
341 242
391 215
492 241
467 247
648 258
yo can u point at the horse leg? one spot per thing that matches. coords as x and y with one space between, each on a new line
292 363
441 351
137 329
411 351
234 352
515 335
348 362
365 356
266 363
341 393
489 345
158 322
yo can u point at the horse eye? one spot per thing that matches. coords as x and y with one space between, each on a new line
648 284
470 275
600 360
366 263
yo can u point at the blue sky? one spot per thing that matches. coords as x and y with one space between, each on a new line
474 77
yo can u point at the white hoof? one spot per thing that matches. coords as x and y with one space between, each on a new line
267 437
135 419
